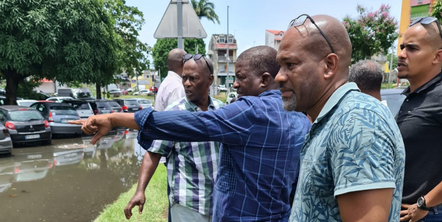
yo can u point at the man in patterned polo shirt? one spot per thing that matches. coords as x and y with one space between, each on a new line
191 166
352 162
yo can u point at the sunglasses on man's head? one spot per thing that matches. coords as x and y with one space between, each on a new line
300 20
196 57
427 21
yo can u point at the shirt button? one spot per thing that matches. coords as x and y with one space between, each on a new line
409 111
406 100
400 111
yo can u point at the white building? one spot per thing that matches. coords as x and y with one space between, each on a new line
273 38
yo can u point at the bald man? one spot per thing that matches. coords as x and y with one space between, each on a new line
420 120
367 74
191 166
171 89
352 162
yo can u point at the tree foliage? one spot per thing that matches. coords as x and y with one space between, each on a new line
371 33
437 10
66 40
163 46
204 8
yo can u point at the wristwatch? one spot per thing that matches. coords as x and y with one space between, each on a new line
422 205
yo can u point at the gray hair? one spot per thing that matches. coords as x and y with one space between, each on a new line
367 74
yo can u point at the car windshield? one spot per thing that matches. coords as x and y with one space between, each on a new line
102 105
83 95
63 110
130 102
80 106
393 102
144 101
114 104
25 115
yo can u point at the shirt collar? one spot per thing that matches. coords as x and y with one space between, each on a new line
336 97
195 108
433 81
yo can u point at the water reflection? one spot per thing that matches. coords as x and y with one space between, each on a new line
70 180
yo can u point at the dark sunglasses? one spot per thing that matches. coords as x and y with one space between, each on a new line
427 21
301 20
196 57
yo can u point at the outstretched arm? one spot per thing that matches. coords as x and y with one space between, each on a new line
147 169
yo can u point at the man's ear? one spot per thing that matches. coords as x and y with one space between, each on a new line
331 65
266 78
210 79
438 58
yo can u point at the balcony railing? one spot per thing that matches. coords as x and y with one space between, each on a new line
223 59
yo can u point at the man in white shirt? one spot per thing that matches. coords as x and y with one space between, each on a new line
171 89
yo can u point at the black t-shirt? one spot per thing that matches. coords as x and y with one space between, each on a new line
420 122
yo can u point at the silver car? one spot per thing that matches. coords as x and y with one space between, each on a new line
25 124
145 103
5 140
58 115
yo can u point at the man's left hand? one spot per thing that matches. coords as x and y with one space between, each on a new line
412 213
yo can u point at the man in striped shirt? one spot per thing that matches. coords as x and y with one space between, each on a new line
191 166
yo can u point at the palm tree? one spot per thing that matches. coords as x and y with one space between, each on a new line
204 8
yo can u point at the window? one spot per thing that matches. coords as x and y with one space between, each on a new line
419 1
25 115
63 110
221 40
230 40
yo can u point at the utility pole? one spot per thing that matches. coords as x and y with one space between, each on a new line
180 24
227 54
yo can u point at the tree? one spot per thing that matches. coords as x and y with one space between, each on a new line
204 8
437 10
66 40
163 46
371 33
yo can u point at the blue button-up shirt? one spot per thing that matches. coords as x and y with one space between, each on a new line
259 155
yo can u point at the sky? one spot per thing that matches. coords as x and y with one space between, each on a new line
248 19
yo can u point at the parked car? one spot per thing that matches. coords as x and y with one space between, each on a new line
31 166
115 92
116 108
129 105
59 99
222 88
231 96
83 93
58 115
26 102
393 99
145 103
101 107
25 124
5 141
143 92
84 109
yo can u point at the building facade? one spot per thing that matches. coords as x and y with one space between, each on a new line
412 10
218 54
273 38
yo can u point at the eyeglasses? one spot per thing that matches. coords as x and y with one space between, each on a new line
196 57
427 21
301 20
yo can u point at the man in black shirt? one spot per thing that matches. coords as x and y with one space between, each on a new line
420 120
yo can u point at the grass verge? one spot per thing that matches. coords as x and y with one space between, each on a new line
155 208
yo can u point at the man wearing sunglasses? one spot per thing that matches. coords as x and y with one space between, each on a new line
191 166
353 159
259 155
420 120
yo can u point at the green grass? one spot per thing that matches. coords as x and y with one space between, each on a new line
388 85
155 207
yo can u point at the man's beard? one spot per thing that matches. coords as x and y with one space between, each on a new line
289 104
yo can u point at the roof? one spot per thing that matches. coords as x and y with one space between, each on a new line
276 32
15 107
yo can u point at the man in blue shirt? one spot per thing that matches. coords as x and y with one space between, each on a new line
259 155
352 162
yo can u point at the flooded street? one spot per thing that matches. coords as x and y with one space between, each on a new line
71 180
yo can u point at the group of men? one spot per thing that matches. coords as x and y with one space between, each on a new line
252 156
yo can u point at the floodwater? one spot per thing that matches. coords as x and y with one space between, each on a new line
71 180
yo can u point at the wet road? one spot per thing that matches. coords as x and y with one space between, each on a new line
71 180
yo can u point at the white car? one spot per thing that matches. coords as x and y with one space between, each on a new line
231 96
143 92
26 102
144 102
59 99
